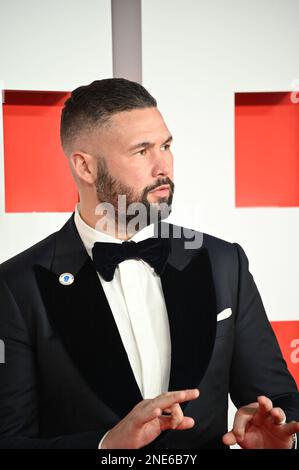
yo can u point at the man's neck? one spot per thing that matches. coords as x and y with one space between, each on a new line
104 224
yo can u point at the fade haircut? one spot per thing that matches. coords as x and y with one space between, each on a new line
92 105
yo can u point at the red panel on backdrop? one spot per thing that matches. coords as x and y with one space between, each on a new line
266 149
287 333
37 176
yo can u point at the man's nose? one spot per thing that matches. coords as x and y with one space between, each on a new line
161 166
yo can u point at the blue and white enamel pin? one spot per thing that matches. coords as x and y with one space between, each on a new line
66 279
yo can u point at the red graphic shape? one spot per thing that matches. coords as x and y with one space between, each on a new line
37 175
267 149
287 334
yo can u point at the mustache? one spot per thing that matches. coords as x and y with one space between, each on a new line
158 183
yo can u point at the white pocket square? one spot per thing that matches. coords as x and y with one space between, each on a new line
226 313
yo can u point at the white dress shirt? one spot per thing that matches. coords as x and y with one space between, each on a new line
137 303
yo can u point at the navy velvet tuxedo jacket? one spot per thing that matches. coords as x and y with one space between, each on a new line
66 379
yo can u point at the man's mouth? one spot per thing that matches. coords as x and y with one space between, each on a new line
161 191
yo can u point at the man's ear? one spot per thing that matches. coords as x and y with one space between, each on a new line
84 167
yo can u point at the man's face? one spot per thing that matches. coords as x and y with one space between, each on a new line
136 160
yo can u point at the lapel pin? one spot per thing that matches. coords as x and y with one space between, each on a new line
66 279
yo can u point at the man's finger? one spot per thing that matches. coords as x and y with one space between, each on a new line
177 416
166 400
187 423
278 416
174 414
229 439
144 413
152 413
240 422
265 405
166 423
291 428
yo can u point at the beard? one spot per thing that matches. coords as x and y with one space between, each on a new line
109 190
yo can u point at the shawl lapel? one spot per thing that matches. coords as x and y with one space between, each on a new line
81 317
190 299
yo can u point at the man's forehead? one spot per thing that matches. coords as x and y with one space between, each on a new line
137 123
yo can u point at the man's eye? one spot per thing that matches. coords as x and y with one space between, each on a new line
142 152
165 147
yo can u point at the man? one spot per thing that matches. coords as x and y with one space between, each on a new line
111 333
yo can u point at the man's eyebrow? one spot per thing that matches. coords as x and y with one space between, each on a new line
149 144
168 140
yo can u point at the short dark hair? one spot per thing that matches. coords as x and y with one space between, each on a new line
92 105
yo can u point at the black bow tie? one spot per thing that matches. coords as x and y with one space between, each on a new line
106 256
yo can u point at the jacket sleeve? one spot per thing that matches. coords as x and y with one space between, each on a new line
258 367
19 427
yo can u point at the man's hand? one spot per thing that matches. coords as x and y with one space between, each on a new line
260 426
145 422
